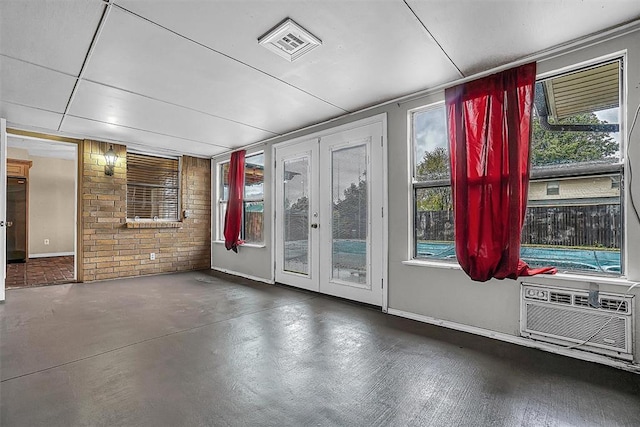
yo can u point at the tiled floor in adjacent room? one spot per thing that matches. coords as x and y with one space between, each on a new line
40 272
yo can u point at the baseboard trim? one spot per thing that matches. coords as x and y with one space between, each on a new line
246 276
576 354
51 254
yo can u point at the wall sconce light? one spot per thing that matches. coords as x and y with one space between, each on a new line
110 156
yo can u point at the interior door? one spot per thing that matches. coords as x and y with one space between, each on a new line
3 205
329 226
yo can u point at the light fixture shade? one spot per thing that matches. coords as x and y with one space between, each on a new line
110 157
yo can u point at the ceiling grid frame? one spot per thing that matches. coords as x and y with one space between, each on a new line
337 75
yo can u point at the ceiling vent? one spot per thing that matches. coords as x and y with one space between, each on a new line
289 40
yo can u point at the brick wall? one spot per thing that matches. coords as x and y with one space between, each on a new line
113 248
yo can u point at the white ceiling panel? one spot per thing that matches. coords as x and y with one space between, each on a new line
25 117
55 34
27 84
138 139
371 50
189 75
479 35
135 55
137 112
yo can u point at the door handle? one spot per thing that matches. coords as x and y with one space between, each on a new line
314 225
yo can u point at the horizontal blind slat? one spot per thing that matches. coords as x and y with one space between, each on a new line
152 187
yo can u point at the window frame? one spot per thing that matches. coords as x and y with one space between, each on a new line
598 170
178 216
220 201
553 188
615 170
417 184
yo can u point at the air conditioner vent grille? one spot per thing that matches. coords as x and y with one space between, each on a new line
577 326
581 300
289 40
613 305
560 298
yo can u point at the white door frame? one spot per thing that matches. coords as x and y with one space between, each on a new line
3 205
379 118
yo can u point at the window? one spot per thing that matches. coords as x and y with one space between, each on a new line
575 142
553 188
615 182
253 205
433 204
153 187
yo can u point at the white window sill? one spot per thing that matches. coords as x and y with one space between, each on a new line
244 245
433 263
153 224
566 277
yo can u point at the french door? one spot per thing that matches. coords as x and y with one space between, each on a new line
328 211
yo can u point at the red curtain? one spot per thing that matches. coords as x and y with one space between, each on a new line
233 215
489 130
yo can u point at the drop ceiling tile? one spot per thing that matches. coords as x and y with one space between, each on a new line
482 35
110 105
26 117
371 51
134 55
55 34
27 84
141 140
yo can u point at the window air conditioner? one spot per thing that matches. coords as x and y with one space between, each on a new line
568 317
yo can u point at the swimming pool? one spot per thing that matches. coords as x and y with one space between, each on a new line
562 258
590 260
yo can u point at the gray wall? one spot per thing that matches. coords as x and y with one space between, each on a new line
445 292
251 261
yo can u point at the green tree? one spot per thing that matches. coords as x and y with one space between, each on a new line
434 165
549 148
350 212
297 219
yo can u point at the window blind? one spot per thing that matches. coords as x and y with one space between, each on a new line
153 187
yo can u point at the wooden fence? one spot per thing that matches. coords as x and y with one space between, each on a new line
578 226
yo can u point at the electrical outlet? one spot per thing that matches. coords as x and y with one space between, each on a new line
152 256
46 241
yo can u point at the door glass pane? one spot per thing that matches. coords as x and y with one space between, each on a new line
296 215
349 214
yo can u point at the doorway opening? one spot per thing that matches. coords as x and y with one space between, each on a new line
41 212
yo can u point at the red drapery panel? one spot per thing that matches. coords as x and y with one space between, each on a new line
489 130
233 215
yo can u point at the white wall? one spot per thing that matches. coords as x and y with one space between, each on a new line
51 206
446 293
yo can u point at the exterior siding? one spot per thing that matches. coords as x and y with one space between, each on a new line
574 188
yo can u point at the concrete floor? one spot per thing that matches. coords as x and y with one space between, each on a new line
207 349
